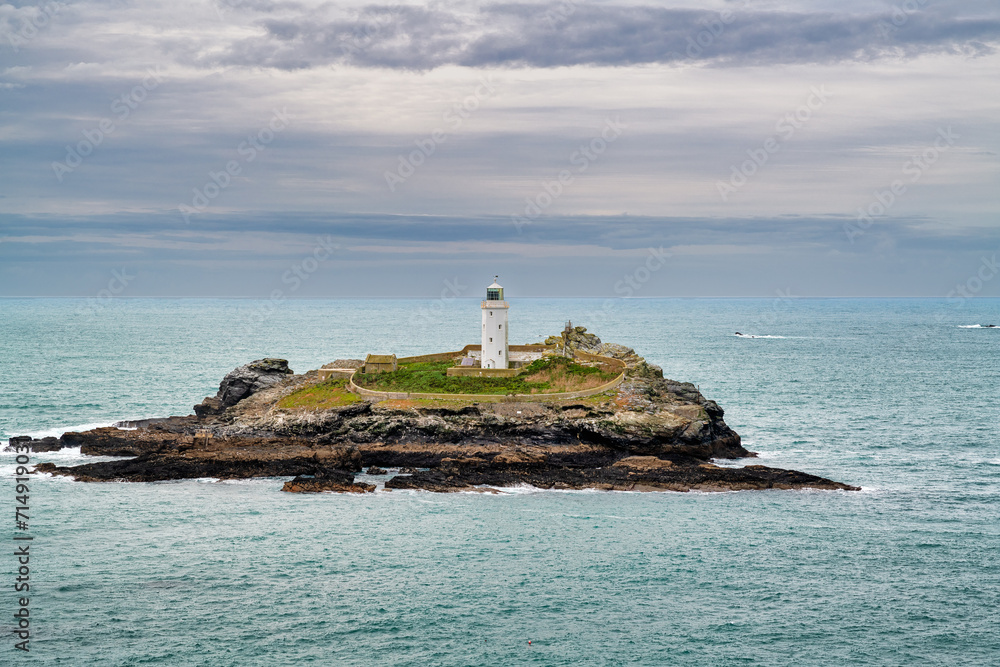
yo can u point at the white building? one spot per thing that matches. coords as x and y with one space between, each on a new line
495 352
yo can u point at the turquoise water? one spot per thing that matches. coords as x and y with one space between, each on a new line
892 395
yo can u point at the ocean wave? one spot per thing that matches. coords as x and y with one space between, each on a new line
187 480
63 455
57 431
522 490
253 481
68 456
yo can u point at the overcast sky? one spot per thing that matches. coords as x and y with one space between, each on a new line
238 147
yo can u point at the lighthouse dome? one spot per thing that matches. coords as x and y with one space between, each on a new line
494 292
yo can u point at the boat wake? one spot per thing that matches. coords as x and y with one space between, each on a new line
743 335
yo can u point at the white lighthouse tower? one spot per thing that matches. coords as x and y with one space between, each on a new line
495 352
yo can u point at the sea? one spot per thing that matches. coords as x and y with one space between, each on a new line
897 396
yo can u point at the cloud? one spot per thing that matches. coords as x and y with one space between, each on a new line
410 255
554 35
446 236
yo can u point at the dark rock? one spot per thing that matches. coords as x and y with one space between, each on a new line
158 466
49 444
209 406
629 474
243 382
428 480
111 441
337 481
576 338
646 370
375 470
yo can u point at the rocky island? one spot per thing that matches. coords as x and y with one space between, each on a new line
644 433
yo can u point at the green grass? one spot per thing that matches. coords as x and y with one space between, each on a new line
423 366
549 375
329 394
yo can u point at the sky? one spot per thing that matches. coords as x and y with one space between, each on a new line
620 148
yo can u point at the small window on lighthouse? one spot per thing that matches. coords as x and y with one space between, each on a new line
491 340
491 313
499 326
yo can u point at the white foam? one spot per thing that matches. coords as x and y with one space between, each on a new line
761 454
187 480
976 326
255 481
63 455
527 489
743 335
57 431
68 456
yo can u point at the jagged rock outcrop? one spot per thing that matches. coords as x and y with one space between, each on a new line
49 444
648 416
336 481
649 433
244 382
472 473
223 459
635 365
576 338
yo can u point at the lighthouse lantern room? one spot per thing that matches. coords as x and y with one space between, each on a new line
495 349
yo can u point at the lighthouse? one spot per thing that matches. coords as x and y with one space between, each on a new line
495 352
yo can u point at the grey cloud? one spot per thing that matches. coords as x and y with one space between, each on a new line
419 38
613 232
246 254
